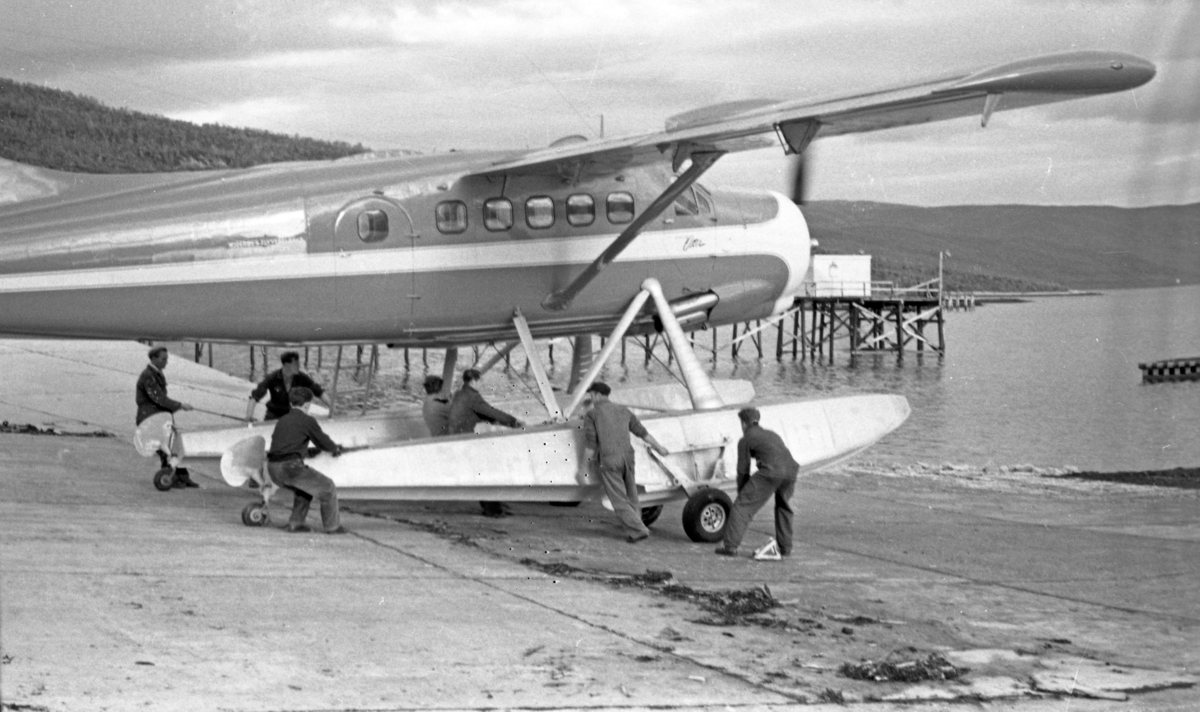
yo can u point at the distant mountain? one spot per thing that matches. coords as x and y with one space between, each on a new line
1078 247
57 129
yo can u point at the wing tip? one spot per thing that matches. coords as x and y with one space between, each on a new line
1079 72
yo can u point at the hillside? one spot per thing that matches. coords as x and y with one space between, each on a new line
1029 247
56 129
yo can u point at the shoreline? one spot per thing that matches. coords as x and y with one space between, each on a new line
1175 477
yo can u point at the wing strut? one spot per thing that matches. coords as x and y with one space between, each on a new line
701 161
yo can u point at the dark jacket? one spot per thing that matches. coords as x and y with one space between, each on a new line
467 408
279 404
767 448
151 395
436 411
606 429
293 432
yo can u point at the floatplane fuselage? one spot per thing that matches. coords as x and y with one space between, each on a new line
385 250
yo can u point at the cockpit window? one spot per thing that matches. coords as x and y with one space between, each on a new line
619 208
372 225
581 210
498 214
704 200
451 217
539 212
685 204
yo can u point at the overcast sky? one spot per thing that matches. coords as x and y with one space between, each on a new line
431 75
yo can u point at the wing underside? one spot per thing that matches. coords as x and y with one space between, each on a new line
745 125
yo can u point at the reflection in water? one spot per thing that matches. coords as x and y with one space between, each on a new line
1051 382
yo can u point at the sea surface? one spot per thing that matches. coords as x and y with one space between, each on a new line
1053 381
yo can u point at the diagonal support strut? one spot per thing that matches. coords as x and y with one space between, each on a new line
701 161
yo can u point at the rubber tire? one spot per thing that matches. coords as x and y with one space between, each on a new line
706 514
254 515
164 479
650 515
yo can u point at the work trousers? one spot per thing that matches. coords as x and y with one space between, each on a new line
621 488
307 483
751 498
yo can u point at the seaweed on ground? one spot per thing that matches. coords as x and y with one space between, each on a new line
896 668
1180 477
26 429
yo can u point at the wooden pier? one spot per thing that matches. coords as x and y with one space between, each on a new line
1170 370
882 319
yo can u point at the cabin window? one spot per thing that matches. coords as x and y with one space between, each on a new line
539 212
620 208
451 217
498 214
581 210
372 225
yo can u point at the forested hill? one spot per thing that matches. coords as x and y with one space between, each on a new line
57 129
1018 247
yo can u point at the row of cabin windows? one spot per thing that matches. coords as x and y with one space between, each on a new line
451 215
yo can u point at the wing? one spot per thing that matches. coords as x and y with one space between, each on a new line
744 125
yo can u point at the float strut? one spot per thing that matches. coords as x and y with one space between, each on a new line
615 338
704 394
535 362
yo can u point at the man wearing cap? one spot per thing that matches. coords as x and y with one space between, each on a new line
467 408
606 429
436 407
151 397
279 385
776 475
285 463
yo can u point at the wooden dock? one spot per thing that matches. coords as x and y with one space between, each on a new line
1170 370
884 318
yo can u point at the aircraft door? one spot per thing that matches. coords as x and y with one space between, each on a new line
376 243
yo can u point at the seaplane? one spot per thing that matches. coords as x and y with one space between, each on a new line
609 237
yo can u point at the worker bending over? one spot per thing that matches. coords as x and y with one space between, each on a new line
285 463
467 408
776 475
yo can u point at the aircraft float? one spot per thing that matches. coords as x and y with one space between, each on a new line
614 236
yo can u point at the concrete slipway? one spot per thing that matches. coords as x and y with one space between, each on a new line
1055 594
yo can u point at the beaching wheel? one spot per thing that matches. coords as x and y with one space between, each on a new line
164 479
650 515
705 515
254 515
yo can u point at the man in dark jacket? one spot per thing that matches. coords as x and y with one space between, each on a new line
285 463
606 429
279 384
436 407
467 408
151 397
776 476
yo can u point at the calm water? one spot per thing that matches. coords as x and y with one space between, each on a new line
1049 382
